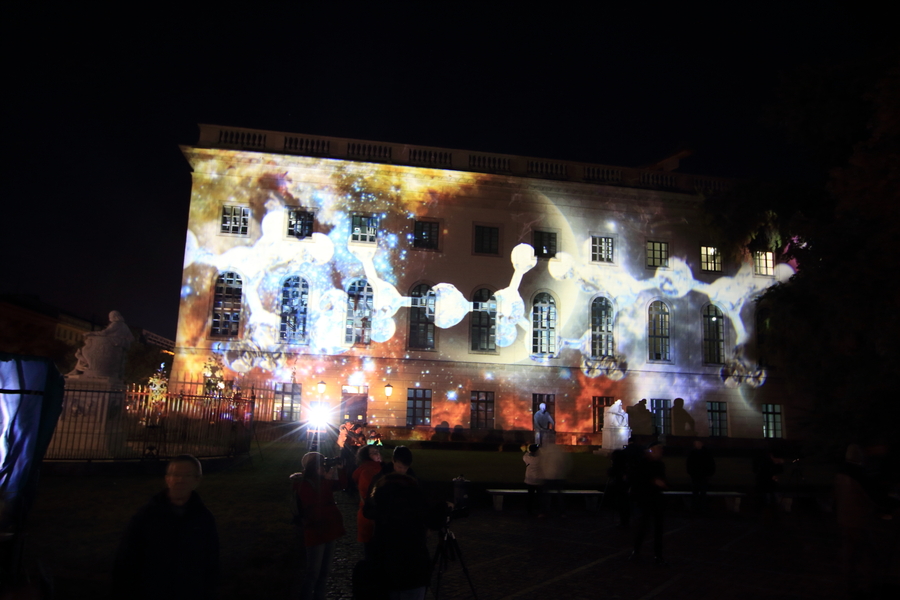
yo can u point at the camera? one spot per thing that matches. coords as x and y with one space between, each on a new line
330 463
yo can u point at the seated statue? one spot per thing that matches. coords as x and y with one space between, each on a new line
103 353
615 415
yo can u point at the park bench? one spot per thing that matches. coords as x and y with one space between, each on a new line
590 496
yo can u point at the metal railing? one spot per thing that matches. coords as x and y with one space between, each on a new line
129 423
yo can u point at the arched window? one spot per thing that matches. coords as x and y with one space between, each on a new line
483 321
601 328
226 314
713 336
421 318
658 331
294 305
360 303
543 325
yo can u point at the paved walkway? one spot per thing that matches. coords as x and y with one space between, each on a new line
583 556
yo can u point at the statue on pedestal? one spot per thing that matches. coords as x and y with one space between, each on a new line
615 415
103 353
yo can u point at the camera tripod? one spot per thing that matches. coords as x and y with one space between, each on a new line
448 550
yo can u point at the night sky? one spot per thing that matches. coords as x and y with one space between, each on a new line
97 214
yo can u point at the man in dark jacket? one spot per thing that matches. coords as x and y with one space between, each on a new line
700 467
171 547
648 481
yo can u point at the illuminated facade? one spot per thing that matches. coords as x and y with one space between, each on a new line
476 285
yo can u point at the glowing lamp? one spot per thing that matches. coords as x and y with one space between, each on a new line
321 387
388 390
318 416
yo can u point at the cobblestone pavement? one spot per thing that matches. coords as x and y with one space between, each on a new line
584 555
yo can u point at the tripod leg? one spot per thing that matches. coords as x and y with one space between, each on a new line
454 546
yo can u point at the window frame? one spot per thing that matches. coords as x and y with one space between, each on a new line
612 249
477 240
307 225
717 414
598 408
421 314
710 259
661 408
773 421
600 337
300 334
433 244
227 220
713 335
358 322
229 303
371 235
764 263
416 416
477 325
538 243
478 398
663 340
657 251
544 337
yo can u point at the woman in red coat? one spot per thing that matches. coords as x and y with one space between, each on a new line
322 524
369 460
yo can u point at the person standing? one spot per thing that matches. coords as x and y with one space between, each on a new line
370 467
700 466
171 546
534 478
543 423
322 524
648 481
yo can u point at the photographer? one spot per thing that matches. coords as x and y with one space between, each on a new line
322 523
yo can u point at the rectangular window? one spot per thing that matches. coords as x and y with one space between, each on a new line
718 419
602 249
772 421
764 263
544 244
364 229
286 405
662 415
418 407
300 223
482 416
710 259
426 235
657 254
487 240
598 404
235 220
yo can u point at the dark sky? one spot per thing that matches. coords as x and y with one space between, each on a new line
97 214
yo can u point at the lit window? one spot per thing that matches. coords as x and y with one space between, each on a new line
487 240
294 305
764 263
657 254
718 419
426 235
710 259
601 328
360 304
602 249
543 325
483 321
544 244
226 316
418 407
662 415
482 415
286 401
658 331
235 220
364 228
300 223
598 404
772 421
713 335
421 318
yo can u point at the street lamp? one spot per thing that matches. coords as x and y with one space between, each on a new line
321 387
388 390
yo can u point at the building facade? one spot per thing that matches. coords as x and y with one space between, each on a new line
425 290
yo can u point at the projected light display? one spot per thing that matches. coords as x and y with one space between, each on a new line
291 259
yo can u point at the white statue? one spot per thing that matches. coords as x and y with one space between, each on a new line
615 415
103 353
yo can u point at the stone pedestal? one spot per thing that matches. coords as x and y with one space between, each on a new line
614 438
91 423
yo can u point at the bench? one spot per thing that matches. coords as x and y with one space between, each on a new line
590 496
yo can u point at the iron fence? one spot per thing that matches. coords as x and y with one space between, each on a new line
136 422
